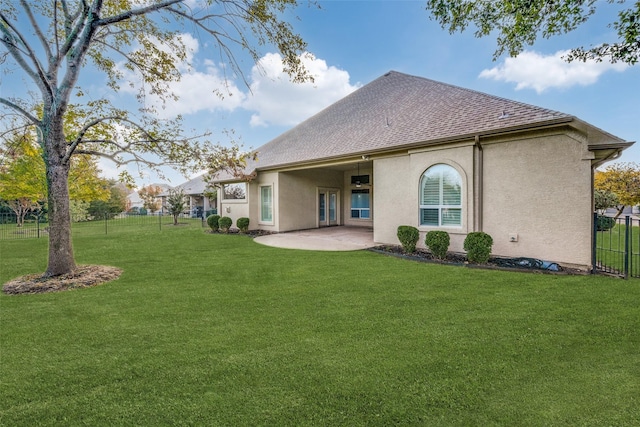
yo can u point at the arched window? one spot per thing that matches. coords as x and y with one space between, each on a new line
441 197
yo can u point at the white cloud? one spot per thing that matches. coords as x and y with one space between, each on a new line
276 100
200 89
531 70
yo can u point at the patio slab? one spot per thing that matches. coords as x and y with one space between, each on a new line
340 238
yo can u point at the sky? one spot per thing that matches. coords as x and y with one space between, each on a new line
354 42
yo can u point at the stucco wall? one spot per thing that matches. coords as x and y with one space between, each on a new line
297 197
536 189
540 190
235 209
397 192
263 179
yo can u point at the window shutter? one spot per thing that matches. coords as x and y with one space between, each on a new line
431 190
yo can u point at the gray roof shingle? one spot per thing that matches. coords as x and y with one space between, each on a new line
397 110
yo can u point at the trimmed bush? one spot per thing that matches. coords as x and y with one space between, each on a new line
212 222
225 224
408 237
605 223
243 224
478 246
438 243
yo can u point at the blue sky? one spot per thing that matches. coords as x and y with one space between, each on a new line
354 42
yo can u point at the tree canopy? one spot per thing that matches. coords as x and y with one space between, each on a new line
519 23
623 180
23 183
50 42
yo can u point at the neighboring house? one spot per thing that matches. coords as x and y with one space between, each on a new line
198 197
405 150
135 201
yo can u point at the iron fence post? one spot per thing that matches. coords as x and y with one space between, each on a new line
627 238
38 226
594 244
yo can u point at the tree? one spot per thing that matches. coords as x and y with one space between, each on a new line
115 204
520 22
51 41
21 178
604 200
175 203
149 196
23 183
623 180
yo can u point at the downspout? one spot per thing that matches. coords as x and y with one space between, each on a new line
478 184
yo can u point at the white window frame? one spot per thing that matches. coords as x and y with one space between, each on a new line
243 200
441 207
262 220
360 210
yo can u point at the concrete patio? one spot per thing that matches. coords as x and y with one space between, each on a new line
339 238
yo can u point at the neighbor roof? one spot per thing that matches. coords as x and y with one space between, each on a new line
399 110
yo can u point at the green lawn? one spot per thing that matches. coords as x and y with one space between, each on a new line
611 249
217 330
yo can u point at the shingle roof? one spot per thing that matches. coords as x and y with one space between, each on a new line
398 110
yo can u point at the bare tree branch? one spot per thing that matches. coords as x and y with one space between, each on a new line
10 32
36 28
34 120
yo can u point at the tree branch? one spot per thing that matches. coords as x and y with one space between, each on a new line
21 111
10 39
135 12
36 28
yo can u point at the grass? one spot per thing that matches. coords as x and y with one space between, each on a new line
217 330
611 249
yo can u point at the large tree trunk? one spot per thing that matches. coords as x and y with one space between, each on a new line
60 246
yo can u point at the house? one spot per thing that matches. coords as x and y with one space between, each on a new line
405 150
199 198
135 202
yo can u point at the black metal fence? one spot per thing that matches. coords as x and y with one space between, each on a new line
616 246
37 226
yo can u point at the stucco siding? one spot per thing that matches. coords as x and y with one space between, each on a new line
298 194
265 179
538 190
398 186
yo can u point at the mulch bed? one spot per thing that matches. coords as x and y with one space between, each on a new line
495 263
83 276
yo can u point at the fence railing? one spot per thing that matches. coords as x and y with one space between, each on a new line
616 246
38 226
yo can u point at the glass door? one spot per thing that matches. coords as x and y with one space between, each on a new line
328 208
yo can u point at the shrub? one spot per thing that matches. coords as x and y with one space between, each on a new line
408 237
243 224
478 246
212 222
605 223
438 243
225 224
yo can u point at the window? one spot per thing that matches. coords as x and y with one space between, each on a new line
441 197
237 191
266 204
360 204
